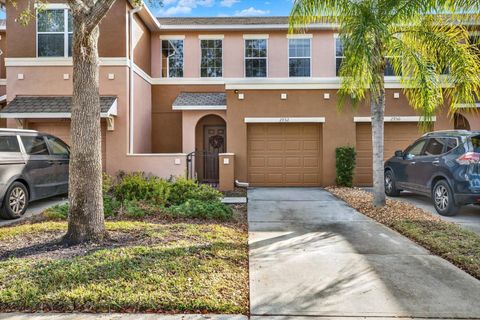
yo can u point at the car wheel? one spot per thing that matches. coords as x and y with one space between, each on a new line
443 199
390 185
15 202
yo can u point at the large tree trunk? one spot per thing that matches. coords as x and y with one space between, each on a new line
377 105
86 218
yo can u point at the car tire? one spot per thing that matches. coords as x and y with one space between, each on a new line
15 201
390 184
443 199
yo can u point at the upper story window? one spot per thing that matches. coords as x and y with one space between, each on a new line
300 56
172 58
212 58
339 56
54 33
255 58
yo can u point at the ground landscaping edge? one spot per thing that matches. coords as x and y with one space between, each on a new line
459 246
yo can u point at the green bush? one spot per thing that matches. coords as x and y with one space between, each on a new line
182 190
133 209
346 159
196 209
110 206
58 212
137 187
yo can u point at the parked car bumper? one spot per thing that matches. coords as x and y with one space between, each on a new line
470 198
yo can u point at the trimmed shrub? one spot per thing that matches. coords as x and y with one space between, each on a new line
58 212
196 209
182 190
137 187
133 209
111 206
346 160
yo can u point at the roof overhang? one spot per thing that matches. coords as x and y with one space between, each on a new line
147 17
111 112
200 101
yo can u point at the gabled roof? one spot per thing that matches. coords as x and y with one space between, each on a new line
200 101
51 107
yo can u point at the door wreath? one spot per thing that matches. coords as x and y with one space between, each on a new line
216 141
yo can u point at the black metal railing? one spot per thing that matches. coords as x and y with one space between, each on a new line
203 166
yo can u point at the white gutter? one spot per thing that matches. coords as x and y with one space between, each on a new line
131 12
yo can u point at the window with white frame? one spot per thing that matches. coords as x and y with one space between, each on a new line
299 53
54 33
339 56
255 58
212 58
172 58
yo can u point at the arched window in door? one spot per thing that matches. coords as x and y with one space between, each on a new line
461 123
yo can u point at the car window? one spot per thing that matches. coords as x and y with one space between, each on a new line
9 144
57 147
476 144
434 147
416 149
452 143
35 145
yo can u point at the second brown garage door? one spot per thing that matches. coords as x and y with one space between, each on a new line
284 154
398 136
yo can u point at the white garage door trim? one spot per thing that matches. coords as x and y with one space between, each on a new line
392 119
286 120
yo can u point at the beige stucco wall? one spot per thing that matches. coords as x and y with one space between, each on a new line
323 53
142 116
338 130
190 121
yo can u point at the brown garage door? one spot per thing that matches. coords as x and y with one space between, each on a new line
61 129
284 154
398 136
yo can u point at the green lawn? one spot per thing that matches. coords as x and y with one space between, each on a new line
455 244
146 267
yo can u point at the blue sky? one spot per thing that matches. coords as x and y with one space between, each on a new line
219 8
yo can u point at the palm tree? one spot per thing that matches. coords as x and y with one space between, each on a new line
427 43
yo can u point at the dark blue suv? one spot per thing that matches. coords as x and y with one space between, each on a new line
444 165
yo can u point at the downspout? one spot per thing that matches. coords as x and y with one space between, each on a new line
131 12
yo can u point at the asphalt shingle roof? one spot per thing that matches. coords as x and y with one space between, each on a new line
200 99
224 21
62 104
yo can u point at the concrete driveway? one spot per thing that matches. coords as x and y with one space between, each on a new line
311 255
35 208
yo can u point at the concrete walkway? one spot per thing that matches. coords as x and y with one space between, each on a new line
312 255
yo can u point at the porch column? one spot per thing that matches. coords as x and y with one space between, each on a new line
226 168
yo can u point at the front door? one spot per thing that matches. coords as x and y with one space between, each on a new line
215 140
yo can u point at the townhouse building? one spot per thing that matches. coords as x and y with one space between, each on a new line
220 99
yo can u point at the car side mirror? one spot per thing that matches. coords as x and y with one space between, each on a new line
399 154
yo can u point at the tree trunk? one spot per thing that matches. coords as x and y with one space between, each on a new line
86 218
377 106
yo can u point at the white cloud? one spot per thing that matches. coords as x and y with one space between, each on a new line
250 12
179 7
228 3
